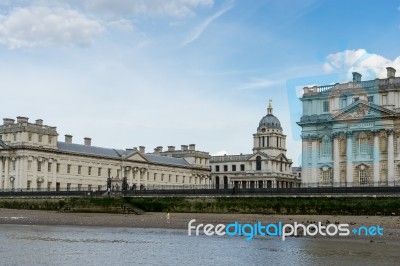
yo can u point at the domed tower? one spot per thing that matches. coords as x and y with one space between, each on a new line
269 138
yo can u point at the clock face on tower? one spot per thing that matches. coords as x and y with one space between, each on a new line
263 130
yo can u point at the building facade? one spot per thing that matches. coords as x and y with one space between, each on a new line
351 133
32 158
266 167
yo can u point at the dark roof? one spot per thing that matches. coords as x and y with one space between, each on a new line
166 160
90 150
270 121
117 154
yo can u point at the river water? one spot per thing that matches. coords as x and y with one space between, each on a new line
68 245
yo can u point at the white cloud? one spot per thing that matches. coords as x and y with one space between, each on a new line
370 65
195 34
44 27
173 8
121 25
220 153
259 83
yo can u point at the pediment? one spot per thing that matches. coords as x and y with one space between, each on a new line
362 110
135 156
283 157
261 154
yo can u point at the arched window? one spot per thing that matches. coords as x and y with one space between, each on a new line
326 149
258 163
225 182
217 182
363 176
326 176
362 144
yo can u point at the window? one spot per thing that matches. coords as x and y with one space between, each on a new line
68 168
89 170
79 169
277 141
217 168
99 171
15 136
155 177
242 167
58 168
356 99
162 177
371 99
79 187
13 165
225 168
183 179
68 186
89 187
363 145
49 167
233 168
49 139
258 163
384 99
29 165
39 166
363 177
169 178
326 176
176 179
267 141
109 172
1 136
326 106
40 138
326 146
29 136
343 103
28 185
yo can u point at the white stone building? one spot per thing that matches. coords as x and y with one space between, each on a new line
351 133
31 157
266 167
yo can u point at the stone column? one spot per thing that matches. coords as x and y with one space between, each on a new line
54 179
304 163
1 173
17 181
377 159
137 176
349 159
390 164
45 169
35 172
336 168
314 163
6 174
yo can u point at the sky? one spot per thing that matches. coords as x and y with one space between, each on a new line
131 73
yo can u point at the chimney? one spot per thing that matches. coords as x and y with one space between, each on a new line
192 147
142 149
171 148
356 77
88 141
184 147
22 119
39 122
160 148
8 121
391 72
156 151
68 138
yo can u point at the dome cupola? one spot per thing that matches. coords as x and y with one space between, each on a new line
270 121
